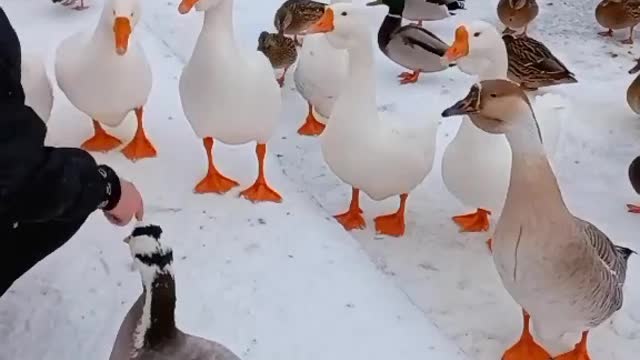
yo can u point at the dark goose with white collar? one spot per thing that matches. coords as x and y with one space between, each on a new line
148 331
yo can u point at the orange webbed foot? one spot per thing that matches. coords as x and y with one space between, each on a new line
579 352
392 224
311 127
261 191
526 349
139 148
101 140
214 182
474 222
410 78
352 219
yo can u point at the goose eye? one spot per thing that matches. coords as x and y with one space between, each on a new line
344 13
132 14
476 34
493 95
114 13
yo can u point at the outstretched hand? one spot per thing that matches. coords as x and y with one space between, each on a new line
130 205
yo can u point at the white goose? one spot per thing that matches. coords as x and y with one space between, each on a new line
37 86
357 145
228 96
319 76
148 331
563 271
106 75
476 164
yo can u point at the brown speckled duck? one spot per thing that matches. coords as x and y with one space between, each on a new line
618 14
280 50
516 14
533 65
296 16
633 91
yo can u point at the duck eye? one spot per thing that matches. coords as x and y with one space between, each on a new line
476 34
344 13
493 95
132 14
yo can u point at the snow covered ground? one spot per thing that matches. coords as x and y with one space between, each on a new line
285 281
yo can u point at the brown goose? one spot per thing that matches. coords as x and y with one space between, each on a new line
148 331
565 272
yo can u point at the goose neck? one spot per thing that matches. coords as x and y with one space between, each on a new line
157 323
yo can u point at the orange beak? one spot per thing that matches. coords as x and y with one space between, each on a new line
460 47
324 24
122 29
186 6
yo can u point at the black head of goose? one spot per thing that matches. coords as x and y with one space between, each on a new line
148 331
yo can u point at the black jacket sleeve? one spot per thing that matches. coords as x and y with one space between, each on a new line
39 183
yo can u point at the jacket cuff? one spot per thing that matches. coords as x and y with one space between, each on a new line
112 189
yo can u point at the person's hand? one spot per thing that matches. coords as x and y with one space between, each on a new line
130 205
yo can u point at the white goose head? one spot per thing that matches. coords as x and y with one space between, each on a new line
121 16
345 24
478 49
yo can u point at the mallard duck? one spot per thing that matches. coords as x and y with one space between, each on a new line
295 16
516 14
82 6
280 50
633 92
430 10
357 145
618 14
532 65
108 60
563 271
634 178
410 46
229 95
148 331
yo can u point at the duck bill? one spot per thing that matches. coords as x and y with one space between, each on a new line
122 31
469 105
186 6
324 24
460 47
635 69
375 3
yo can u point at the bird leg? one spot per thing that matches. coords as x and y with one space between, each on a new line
311 127
352 219
281 78
101 140
214 181
81 6
393 224
409 77
629 40
526 348
608 33
140 147
260 190
579 352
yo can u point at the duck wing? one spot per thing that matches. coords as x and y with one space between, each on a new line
415 36
531 61
607 292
